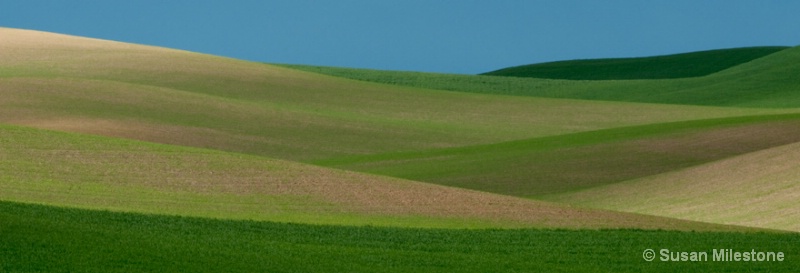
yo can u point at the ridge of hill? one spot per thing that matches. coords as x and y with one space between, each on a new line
766 82
684 65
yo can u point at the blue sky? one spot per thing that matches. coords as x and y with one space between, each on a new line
435 36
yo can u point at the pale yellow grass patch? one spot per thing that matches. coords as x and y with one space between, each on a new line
759 189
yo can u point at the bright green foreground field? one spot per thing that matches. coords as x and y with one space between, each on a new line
48 239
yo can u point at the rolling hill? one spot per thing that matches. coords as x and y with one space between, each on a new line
766 82
246 140
117 157
94 172
182 98
685 65
548 165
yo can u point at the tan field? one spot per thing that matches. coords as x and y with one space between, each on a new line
758 189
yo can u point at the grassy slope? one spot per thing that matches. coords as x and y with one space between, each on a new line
693 64
47 239
768 82
96 172
175 97
755 189
562 163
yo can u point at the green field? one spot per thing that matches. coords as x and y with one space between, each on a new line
686 65
545 165
48 239
765 82
122 157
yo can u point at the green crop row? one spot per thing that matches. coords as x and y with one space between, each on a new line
37 238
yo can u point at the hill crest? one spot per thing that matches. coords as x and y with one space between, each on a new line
673 66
